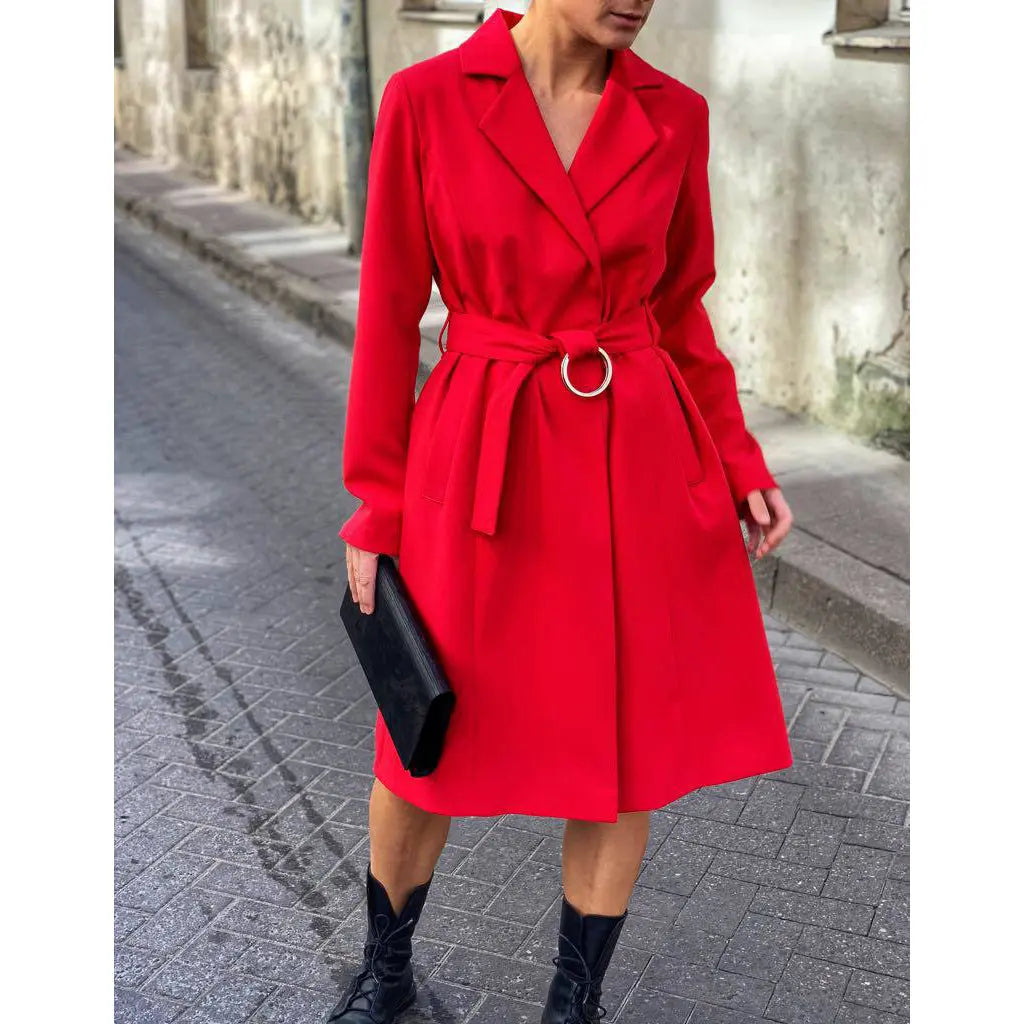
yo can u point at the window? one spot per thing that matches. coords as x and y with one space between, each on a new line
464 11
877 29
118 52
198 45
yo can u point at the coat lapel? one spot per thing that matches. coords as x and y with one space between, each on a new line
619 137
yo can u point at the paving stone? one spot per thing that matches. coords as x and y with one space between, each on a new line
813 849
809 992
165 879
127 921
853 805
497 857
654 1008
892 776
869 685
473 930
281 888
728 837
883 836
688 941
819 676
141 804
183 982
528 893
224 814
677 868
808 909
849 697
900 867
704 1013
179 921
281 785
832 776
286 965
818 721
500 1010
174 750
732 991
248 850
858 873
290 1005
787 656
655 904
487 972
131 1007
857 748
880 992
132 967
851 1013
865 952
761 947
718 904
214 948
233 1000
264 921
879 720
438 1002
812 751
772 805
780 874
706 803
892 918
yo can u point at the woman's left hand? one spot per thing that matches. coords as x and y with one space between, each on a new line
768 518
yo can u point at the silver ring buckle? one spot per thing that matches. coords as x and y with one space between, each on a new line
600 387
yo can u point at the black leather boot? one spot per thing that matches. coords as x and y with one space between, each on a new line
585 946
384 987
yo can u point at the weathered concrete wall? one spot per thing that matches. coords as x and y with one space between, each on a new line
810 186
809 170
265 118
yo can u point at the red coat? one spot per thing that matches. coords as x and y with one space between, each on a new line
578 561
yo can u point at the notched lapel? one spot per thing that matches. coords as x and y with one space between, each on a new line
619 137
514 124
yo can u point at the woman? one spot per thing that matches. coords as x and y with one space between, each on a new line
565 496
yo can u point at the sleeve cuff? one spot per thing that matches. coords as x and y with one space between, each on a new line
751 474
373 530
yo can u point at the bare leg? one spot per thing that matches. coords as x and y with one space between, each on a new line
405 843
601 860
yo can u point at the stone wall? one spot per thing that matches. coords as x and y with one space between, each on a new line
263 117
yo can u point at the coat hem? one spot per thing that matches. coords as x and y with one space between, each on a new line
545 808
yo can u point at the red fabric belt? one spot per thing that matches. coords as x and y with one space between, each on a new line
478 335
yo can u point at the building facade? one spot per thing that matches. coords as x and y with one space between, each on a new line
809 162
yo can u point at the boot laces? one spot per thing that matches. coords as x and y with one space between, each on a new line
582 990
372 973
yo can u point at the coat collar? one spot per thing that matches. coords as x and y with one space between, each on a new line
620 134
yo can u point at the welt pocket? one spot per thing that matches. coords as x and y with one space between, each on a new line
441 446
686 431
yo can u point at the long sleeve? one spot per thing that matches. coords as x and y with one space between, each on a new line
687 334
396 269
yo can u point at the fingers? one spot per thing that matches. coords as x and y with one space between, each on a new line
757 518
366 579
350 567
781 522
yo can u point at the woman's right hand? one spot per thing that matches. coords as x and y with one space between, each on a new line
362 576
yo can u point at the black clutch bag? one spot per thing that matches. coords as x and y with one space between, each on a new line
402 669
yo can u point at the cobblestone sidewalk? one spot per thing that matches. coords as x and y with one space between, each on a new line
244 744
